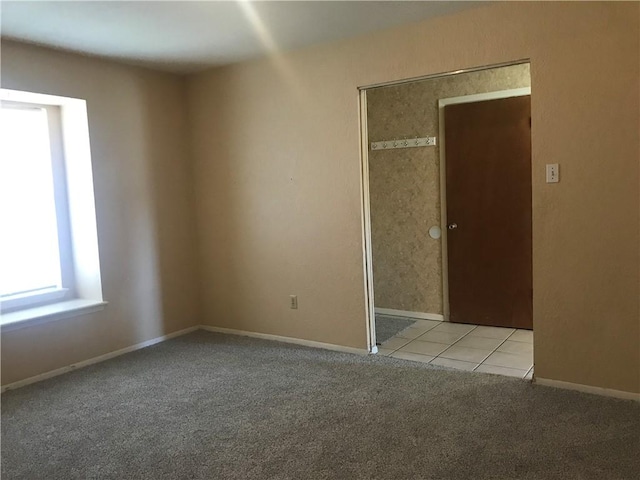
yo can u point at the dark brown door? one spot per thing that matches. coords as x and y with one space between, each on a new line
488 180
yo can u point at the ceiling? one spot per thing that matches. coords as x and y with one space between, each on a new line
186 36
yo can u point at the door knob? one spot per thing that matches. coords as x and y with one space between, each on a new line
452 226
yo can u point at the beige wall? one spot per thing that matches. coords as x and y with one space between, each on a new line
275 148
276 152
146 230
404 184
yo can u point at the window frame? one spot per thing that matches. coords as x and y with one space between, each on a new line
81 285
66 289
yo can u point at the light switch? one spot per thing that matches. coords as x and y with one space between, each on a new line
553 173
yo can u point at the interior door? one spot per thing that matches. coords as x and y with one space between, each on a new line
488 196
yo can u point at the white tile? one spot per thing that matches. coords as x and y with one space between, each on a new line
522 336
416 357
409 333
424 348
448 338
461 328
516 347
492 332
522 361
418 328
457 364
425 324
510 372
394 343
466 354
479 342
384 352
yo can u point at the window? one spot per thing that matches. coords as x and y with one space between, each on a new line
34 249
48 245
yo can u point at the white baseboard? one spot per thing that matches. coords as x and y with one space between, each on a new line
298 341
153 341
278 338
606 392
405 313
91 361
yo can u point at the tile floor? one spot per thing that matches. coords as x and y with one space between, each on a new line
504 351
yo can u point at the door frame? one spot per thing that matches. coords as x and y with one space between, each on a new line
367 255
443 102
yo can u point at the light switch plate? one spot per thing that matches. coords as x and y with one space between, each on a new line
553 173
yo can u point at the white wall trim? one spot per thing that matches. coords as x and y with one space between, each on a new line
295 341
606 392
94 360
480 97
83 263
451 73
48 313
153 341
443 102
405 313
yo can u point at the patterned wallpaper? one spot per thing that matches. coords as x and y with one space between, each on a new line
405 184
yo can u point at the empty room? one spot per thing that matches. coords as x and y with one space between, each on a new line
320 240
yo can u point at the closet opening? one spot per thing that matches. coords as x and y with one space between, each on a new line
447 186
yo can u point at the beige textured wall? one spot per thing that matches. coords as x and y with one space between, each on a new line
146 228
404 184
276 151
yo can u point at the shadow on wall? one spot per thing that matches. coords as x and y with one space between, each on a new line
169 220
141 179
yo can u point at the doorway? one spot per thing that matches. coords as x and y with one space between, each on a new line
418 272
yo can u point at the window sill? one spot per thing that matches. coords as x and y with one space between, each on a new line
49 313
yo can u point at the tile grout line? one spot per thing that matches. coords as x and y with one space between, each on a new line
396 336
525 375
520 341
490 353
438 356
495 350
448 345
531 367
410 340
512 334
454 343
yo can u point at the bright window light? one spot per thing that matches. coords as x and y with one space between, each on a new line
29 250
49 258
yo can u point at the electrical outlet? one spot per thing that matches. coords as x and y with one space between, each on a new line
553 173
293 301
